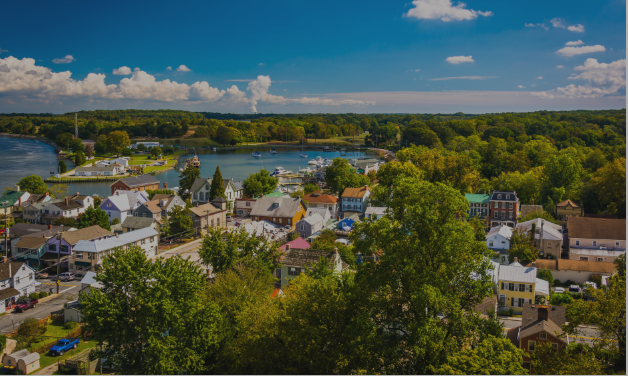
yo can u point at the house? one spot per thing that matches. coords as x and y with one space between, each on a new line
62 245
317 199
298 243
310 224
567 209
323 213
504 208
238 187
88 255
540 324
346 224
19 276
498 240
478 205
149 209
355 199
243 206
574 270
283 211
596 239
33 213
548 236
122 203
36 199
26 248
213 214
136 223
201 188
518 285
375 212
66 208
364 166
89 282
110 170
72 311
295 262
148 144
11 201
136 183
167 202
530 209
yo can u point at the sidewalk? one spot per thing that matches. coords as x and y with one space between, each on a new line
177 250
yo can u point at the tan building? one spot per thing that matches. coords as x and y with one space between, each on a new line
574 270
596 239
213 214
318 200
567 209
548 237
282 211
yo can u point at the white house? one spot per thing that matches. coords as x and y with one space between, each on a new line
109 170
498 240
89 254
201 187
122 204
15 277
148 144
375 212
70 207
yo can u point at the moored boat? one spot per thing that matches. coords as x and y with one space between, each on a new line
279 171
273 151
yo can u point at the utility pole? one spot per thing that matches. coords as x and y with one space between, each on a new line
59 257
6 249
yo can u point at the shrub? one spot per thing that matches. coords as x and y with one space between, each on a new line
30 328
70 325
597 279
545 274
43 294
34 296
557 283
560 299
568 283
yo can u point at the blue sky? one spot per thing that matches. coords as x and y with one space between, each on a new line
324 56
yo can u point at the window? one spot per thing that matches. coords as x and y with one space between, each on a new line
293 271
109 204
595 243
503 205
64 249
152 239
577 242
515 302
503 215
490 243
510 205
495 215
510 215
584 258
507 197
17 280
616 244
531 345
549 245
248 203
555 345
143 241
79 255
499 197
600 259
543 336
30 276
52 247
497 205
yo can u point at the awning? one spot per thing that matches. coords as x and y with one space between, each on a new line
83 263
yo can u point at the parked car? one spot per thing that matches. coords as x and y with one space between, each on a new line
575 289
559 290
587 285
64 277
64 345
24 304
41 275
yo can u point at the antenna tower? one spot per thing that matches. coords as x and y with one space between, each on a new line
75 122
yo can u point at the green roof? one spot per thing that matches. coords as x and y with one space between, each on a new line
475 198
11 197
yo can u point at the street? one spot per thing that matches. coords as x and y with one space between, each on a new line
67 291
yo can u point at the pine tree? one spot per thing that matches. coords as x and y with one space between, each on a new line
217 188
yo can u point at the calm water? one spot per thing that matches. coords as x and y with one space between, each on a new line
23 157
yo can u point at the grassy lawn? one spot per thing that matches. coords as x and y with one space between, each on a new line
47 360
53 330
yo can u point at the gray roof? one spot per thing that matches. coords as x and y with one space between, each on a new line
90 279
517 273
20 354
379 210
198 184
276 207
30 358
21 229
137 181
324 213
550 230
114 241
512 197
94 168
504 231
137 222
313 219
238 185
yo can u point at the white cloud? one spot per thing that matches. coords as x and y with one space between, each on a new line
604 79
65 60
573 51
201 91
560 23
521 87
183 68
533 85
443 10
574 43
462 78
261 64
576 28
560 66
459 59
168 68
537 25
122 71
539 78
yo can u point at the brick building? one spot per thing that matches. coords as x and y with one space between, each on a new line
504 208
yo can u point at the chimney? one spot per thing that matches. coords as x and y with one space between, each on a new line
532 201
165 185
516 259
66 200
50 227
17 188
287 246
78 194
4 259
543 313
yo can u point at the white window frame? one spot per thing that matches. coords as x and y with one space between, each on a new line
543 336
533 343
577 242
584 258
600 259
594 243
617 244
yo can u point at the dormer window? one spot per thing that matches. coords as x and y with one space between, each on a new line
499 197
108 204
507 197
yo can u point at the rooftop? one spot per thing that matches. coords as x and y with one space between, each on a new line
138 181
477 198
505 196
355 192
115 241
567 203
137 222
596 228
319 198
517 273
276 206
205 209
305 257
583 266
298 243
87 233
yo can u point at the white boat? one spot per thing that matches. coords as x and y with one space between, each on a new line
256 154
213 148
279 171
317 161
273 151
303 155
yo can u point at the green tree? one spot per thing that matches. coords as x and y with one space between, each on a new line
126 152
100 146
224 251
152 193
186 179
67 222
217 188
155 151
546 274
180 221
610 184
310 188
428 279
59 191
116 221
539 214
141 147
339 176
151 316
493 356
63 168
33 184
168 149
89 150
76 145
522 248
561 172
94 216
3 342
79 159
575 359
260 183
387 173
117 141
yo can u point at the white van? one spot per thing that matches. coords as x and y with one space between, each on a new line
64 277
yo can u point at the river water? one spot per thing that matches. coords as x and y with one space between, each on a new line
23 157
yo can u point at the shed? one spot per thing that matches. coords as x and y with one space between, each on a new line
10 360
29 363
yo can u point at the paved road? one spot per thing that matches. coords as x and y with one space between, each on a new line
67 291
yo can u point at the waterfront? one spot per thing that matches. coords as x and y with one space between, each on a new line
24 157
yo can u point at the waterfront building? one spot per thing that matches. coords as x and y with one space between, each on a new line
136 183
317 199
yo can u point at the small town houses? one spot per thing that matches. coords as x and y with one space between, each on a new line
136 183
504 208
596 239
122 203
201 188
16 279
283 211
356 199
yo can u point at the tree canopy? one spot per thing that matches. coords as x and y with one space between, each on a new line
260 183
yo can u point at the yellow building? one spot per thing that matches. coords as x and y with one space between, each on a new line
566 209
518 285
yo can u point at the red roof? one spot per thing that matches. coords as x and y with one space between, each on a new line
318 198
298 243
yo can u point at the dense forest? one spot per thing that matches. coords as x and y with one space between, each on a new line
546 156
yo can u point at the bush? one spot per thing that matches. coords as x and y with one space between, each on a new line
43 294
597 279
568 283
557 283
70 325
34 296
30 328
560 299
545 274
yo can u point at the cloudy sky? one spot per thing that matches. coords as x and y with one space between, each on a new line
323 56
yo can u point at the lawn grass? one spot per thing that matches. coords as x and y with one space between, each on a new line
47 360
53 330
